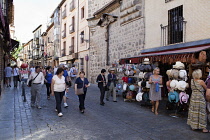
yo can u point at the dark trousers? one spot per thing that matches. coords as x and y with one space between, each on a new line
15 80
82 100
48 85
58 98
102 90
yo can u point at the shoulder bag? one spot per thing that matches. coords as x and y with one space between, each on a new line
80 91
30 81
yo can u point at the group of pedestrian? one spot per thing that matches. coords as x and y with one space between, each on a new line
12 72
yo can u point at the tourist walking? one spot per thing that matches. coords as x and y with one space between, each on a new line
48 80
16 76
37 78
111 85
73 73
101 80
65 74
58 88
155 91
8 74
82 82
197 115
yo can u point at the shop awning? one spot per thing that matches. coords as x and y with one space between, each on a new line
173 55
14 44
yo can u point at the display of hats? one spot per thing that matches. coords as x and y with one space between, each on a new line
147 75
183 74
179 65
129 95
146 61
148 85
125 79
182 85
173 97
130 80
139 96
141 67
174 84
125 87
175 73
169 73
141 75
132 87
183 97
147 68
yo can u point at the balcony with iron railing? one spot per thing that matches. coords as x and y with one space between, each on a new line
63 34
64 14
63 52
71 49
173 33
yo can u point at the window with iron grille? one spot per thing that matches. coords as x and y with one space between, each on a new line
175 25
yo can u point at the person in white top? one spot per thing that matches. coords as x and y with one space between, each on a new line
32 69
73 73
8 73
15 75
58 88
36 87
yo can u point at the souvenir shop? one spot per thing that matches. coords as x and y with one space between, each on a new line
176 67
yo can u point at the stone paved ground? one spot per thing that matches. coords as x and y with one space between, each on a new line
120 121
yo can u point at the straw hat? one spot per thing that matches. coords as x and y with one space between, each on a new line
182 85
146 61
139 96
174 84
175 73
183 74
168 72
173 97
179 65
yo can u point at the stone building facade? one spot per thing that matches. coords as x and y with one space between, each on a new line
123 37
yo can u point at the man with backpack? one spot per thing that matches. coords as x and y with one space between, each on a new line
73 73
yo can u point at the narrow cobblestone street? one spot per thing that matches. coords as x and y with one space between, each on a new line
121 120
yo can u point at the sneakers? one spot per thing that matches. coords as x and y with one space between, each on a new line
39 107
60 114
56 110
65 105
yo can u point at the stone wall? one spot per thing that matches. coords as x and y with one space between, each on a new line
126 37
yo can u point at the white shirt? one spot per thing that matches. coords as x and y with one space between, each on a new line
8 72
15 72
59 85
32 69
39 78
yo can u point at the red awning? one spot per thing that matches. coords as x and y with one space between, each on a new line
167 56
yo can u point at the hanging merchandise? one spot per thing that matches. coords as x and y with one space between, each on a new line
148 85
145 96
125 79
183 97
141 75
143 84
147 75
129 95
130 80
139 96
182 86
132 87
173 97
139 83
125 87
179 65
183 75
174 84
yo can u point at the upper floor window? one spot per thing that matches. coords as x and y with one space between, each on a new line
72 5
175 23
82 12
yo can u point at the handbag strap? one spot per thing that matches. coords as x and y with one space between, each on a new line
36 76
197 88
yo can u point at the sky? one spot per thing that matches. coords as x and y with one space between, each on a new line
29 14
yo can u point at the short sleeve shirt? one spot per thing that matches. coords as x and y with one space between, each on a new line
59 85
81 83
8 72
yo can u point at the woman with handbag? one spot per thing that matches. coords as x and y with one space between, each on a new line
58 88
81 85
101 80
197 115
48 80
